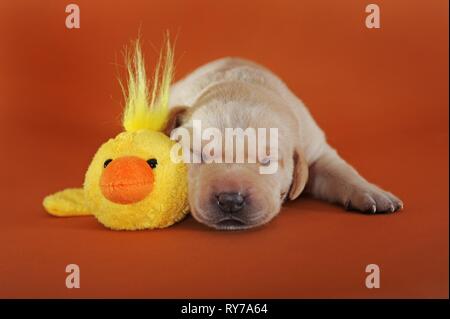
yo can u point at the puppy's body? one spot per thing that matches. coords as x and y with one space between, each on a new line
236 93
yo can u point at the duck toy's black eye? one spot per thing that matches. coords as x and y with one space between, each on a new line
107 162
152 162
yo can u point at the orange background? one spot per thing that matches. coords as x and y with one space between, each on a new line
381 96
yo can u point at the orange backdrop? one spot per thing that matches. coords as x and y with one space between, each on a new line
381 96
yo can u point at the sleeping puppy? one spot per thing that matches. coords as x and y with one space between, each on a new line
235 93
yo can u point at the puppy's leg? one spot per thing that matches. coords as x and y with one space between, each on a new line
334 180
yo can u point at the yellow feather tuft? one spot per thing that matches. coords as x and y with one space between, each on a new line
144 109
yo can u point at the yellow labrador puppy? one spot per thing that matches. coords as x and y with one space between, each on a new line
235 93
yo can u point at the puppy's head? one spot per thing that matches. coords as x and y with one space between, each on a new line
232 196
240 195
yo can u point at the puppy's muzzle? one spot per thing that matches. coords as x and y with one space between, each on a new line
230 203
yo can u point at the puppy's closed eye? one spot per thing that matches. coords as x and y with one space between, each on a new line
269 160
265 161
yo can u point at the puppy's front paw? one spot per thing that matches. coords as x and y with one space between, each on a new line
371 199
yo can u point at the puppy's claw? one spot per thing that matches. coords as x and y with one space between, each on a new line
392 208
372 200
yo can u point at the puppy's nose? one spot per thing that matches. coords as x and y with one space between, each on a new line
230 202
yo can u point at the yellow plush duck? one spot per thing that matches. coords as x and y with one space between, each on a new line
132 183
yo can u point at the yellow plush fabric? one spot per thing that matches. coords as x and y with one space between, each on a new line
145 109
69 202
120 190
163 206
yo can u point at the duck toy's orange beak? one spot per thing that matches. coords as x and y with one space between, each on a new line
126 180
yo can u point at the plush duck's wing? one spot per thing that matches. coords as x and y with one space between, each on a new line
69 202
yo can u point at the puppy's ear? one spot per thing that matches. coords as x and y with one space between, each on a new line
175 118
300 175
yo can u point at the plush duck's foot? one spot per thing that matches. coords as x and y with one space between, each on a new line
69 202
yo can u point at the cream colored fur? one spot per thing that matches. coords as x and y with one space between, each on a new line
233 92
